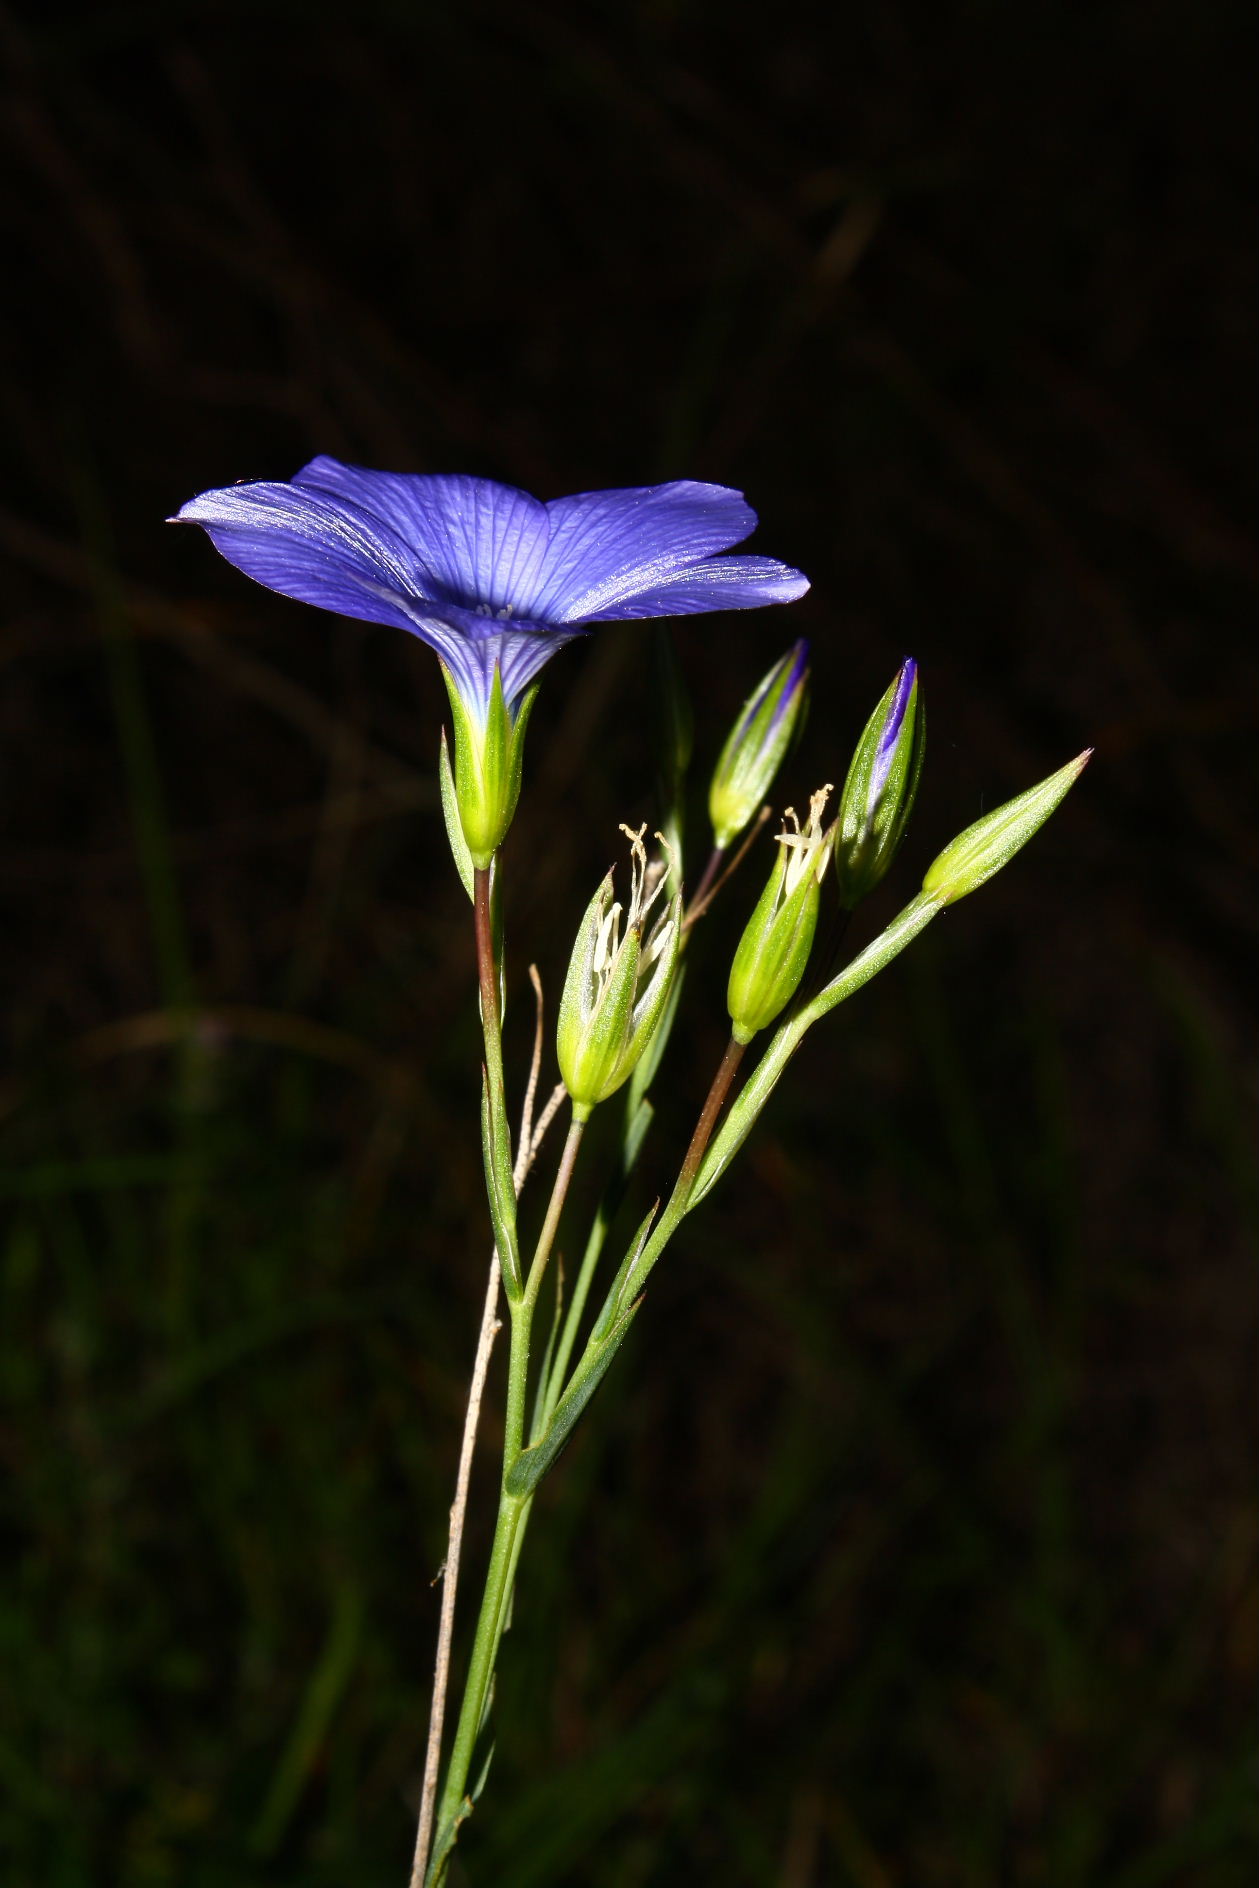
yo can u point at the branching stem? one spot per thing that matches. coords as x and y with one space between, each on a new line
512 1513
727 1069
710 884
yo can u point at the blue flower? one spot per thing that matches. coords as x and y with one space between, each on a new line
482 572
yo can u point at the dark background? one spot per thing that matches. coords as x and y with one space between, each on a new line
913 1540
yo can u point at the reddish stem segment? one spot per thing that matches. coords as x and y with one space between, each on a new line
726 1072
700 897
486 975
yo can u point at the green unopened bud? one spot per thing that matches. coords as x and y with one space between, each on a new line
757 745
488 760
993 840
774 949
618 981
880 790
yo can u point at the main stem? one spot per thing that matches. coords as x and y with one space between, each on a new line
512 1512
491 1022
450 1579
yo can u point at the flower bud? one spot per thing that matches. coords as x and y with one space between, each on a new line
879 792
758 744
774 949
618 982
993 840
488 760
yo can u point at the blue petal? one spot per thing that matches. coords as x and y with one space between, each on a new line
484 573
326 549
609 545
722 583
480 541
316 548
906 676
523 653
470 643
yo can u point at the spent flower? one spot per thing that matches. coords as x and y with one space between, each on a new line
774 949
618 979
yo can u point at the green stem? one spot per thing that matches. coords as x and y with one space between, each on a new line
680 1199
491 1027
453 1807
512 1512
614 1193
559 1193
789 1035
523 1309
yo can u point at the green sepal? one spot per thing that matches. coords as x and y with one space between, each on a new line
488 763
532 1464
450 813
651 1004
500 1190
590 1043
992 841
648 1063
772 953
868 837
609 1015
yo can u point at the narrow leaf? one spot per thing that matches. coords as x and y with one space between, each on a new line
532 1464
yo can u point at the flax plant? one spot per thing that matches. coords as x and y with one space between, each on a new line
496 583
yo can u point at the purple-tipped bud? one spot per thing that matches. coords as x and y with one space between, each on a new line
879 792
758 744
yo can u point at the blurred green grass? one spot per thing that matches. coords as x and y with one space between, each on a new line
913 1540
